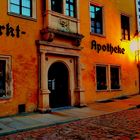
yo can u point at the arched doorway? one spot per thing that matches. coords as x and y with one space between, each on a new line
58 85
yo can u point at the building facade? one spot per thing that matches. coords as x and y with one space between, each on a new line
61 53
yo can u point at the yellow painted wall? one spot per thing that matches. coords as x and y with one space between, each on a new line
112 29
24 60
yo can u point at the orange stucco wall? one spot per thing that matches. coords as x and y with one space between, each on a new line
25 60
112 34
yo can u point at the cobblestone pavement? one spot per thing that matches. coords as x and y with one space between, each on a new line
124 125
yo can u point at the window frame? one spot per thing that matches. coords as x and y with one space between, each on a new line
8 78
119 77
73 4
95 6
64 2
108 77
99 65
124 35
33 10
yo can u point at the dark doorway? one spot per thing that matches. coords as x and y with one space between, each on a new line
58 85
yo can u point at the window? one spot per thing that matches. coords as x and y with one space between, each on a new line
125 27
69 7
107 77
56 5
96 19
115 77
2 77
5 77
21 7
25 8
101 77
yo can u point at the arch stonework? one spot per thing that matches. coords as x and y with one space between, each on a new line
48 56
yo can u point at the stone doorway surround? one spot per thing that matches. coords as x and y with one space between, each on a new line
49 53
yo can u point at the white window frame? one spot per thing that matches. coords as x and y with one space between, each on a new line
28 17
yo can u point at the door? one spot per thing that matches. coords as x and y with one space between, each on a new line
58 85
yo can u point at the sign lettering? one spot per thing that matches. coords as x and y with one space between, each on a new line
108 47
10 31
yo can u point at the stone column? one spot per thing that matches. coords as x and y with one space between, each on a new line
80 98
44 92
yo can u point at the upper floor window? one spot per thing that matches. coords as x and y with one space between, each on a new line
96 19
21 7
24 8
125 27
60 5
70 8
56 5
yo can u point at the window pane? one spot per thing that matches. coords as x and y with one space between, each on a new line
98 31
92 15
56 5
71 7
125 27
71 1
71 14
67 6
25 11
15 9
96 15
2 77
115 78
67 12
15 2
101 78
91 8
26 3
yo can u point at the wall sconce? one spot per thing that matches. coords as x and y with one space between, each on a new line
135 46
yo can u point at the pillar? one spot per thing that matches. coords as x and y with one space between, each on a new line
44 92
80 98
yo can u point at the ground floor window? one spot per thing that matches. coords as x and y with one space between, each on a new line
115 77
101 77
107 77
5 77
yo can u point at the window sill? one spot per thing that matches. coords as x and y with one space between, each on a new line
5 98
102 90
23 17
100 35
108 90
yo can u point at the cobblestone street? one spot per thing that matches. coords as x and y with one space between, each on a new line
124 125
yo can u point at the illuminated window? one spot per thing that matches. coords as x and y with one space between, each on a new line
69 7
125 27
115 77
96 19
101 77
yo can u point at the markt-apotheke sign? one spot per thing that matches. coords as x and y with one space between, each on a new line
9 30
106 48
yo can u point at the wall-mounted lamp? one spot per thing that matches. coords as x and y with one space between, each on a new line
135 46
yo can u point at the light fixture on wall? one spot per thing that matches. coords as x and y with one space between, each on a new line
135 46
